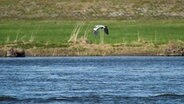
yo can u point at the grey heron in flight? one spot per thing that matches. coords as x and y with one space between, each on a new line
98 27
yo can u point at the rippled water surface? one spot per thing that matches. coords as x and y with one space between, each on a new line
90 80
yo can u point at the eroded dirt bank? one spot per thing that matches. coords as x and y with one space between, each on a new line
102 50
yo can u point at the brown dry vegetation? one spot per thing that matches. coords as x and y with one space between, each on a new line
91 9
84 49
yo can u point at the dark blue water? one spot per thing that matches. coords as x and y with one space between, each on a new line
91 80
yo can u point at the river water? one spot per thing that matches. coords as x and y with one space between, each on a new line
92 80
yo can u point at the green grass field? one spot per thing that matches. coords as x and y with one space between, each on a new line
59 31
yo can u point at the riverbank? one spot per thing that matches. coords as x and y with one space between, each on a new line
83 49
75 38
105 51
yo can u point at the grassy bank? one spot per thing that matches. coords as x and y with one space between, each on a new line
144 37
58 31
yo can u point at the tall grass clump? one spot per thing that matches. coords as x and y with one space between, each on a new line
74 37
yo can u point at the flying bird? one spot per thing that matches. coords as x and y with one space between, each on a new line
97 27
